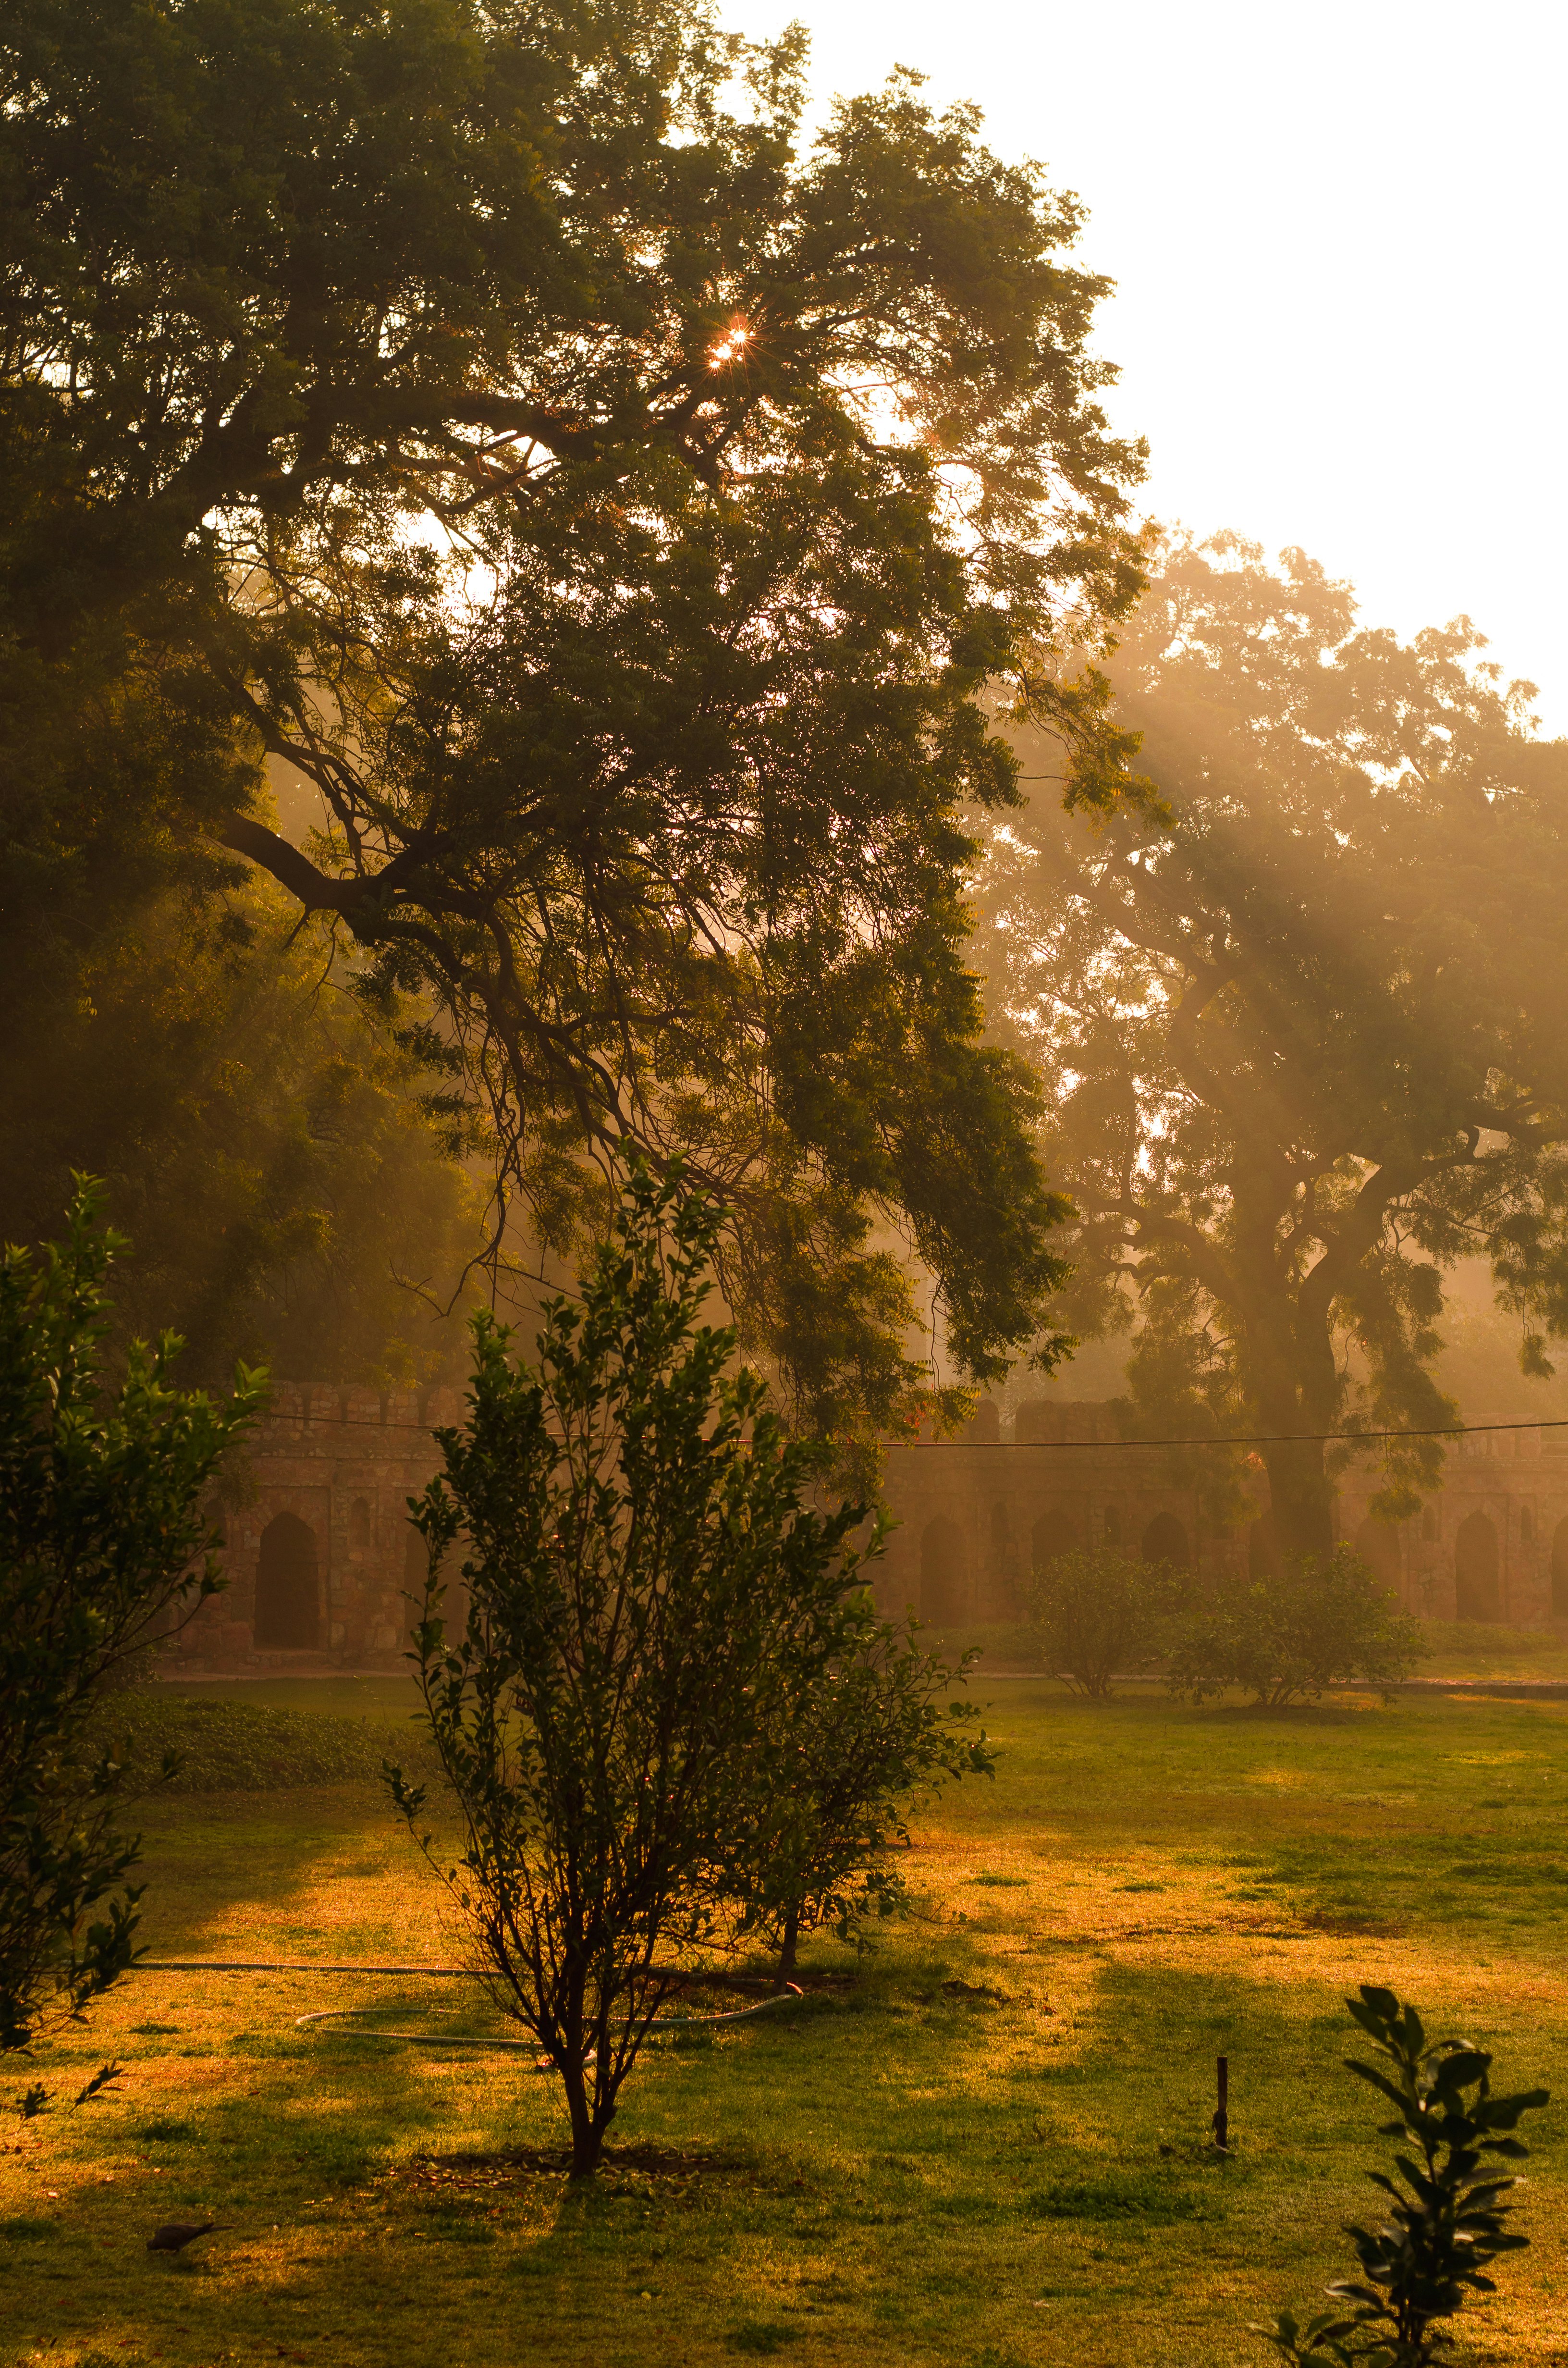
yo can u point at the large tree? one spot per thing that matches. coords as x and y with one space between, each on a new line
615 514
1305 1044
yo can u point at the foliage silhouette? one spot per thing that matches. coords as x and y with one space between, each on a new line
103 1542
1446 2217
647 1592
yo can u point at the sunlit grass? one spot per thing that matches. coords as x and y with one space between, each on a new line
909 2174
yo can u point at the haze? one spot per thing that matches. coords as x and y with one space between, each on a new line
1338 239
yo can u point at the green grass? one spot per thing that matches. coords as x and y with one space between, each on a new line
228 1741
905 2174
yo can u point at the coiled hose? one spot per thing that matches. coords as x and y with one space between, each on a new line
442 1973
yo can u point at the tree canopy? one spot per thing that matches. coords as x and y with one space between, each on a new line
616 514
1307 1045
288 1175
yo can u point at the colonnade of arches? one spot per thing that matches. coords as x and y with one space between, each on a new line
945 1595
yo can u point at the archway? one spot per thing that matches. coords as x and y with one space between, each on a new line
1054 1532
1165 1539
1376 1542
942 1573
1475 1569
1559 1571
1263 1550
288 1591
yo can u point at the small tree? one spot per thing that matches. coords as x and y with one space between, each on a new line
102 1538
647 1592
856 1742
1285 1637
1095 1615
1445 2223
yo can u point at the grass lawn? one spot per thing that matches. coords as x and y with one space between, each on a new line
901 2174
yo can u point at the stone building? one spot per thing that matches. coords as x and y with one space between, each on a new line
976 1514
320 1558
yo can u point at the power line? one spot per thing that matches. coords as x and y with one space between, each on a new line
1309 1438
1254 1438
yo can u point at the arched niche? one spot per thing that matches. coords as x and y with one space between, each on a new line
1165 1539
1476 1592
1263 1549
1559 1571
288 1586
1052 1533
942 1573
1376 1542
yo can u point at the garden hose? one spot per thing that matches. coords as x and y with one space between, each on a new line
449 1973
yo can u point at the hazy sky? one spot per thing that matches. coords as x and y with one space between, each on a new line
1339 233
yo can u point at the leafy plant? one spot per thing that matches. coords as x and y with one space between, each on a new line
1447 2215
1094 1614
647 1594
1288 1635
851 1747
103 1542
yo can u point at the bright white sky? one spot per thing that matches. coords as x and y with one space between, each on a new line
1339 234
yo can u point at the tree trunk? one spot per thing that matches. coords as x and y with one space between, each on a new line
790 1948
1301 1499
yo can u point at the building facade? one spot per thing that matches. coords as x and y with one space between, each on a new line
978 1513
322 1561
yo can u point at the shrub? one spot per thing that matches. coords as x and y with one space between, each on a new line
1096 1615
103 1542
851 1745
1445 2224
648 1591
1285 1638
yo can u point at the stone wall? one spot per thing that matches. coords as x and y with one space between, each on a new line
320 1557
977 1513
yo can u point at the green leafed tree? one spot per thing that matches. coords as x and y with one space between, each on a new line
285 1170
1304 1044
648 1589
103 1540
620 514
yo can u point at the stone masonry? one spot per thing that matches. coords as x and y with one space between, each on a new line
320 1558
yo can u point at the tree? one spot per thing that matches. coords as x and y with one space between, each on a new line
1305 1045
854 1743
1446 2218
102 1540
291 1190
616 518
646 1589
1287 1636
1096 1615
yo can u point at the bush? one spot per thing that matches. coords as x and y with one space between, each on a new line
1095 1616
1285 1638
102 1546
1446 2212
649 1591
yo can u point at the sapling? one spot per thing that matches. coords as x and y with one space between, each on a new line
647 1588
1446 2215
